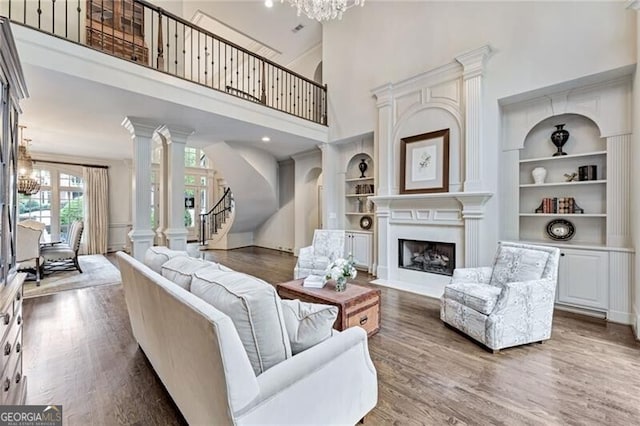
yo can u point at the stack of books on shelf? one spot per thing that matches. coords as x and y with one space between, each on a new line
565 205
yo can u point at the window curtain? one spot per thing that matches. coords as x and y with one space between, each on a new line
96 209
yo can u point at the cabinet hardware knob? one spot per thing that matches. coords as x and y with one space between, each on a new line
364 320
7 349
18 347
19 320
7 384
7 318
562 254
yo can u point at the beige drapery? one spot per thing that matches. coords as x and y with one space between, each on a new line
96 209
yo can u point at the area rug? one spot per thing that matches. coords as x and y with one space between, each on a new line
97 270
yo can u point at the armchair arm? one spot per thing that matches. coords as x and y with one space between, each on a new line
516 295
315 384
480 275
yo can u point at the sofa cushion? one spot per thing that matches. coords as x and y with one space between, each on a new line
479 297
255 309
307 323
156 256
514 264
180 269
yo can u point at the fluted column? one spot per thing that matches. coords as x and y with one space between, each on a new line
474 240
383 145
176 139
141 234
473 65
383 213
618 190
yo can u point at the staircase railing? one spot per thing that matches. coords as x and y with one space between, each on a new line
211 221
141 32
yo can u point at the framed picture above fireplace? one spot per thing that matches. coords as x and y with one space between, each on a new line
424 163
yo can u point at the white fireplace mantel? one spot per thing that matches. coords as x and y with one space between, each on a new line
472 202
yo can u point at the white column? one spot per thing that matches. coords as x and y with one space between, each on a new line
176 139
161 190
473 64
141 234
473 214
382 215
384 158
618 190
330 160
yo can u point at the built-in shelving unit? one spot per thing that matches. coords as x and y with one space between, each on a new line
584 147
359 241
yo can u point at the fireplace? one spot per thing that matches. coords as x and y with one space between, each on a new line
427 256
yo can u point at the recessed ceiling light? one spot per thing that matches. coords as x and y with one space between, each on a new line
268 3
266 139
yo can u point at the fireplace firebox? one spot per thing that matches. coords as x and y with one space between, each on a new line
427 256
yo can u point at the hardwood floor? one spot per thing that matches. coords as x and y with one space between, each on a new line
79 352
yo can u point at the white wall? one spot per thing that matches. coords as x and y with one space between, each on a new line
536 44
307 168
277 232
307 63
119 192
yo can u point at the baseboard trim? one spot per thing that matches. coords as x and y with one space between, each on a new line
621 317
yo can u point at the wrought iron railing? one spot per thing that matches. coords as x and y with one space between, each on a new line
143 33
211 221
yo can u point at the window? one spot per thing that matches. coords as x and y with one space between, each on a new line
58 203
194 157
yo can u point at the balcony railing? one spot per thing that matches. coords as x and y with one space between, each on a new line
138 31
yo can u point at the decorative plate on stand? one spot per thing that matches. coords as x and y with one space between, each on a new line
560 230
365 222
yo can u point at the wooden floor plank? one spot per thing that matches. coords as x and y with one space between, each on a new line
79 352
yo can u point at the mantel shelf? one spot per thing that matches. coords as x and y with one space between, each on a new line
564 157
563 215
578 183
359 195
359 213
364 179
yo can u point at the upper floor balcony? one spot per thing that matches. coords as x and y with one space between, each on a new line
147 35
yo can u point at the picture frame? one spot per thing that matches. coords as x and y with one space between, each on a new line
424 163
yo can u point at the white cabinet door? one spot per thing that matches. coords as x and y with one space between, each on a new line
359 244
583 278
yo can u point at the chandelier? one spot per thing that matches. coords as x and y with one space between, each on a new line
324 10
27 184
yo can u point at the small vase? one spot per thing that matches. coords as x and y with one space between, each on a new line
559 138
539 174
341 284
363 168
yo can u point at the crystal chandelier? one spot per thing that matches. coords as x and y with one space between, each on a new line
27 184
324 10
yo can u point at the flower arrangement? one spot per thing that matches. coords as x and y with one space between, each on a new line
341 269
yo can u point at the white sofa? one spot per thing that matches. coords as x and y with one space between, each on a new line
197 353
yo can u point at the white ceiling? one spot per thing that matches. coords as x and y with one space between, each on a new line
71 116
271 26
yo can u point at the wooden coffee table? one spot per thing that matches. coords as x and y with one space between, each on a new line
357 305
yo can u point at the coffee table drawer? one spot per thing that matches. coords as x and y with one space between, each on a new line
367 318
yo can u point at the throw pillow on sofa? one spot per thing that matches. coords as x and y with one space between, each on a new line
180 270
156 256
307 323
255 309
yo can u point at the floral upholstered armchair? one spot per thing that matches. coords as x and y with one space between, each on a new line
508 304
327 246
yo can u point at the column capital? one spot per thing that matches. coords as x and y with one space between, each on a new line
175 134
473 61
140 127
